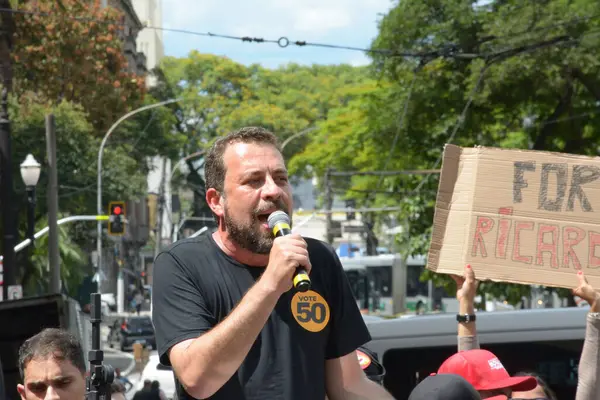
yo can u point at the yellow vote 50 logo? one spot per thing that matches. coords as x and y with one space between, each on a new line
310 310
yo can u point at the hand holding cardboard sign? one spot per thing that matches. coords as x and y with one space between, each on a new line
587 292
466 287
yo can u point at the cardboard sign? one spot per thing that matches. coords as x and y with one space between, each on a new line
518 216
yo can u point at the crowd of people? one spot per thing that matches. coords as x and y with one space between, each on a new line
52 364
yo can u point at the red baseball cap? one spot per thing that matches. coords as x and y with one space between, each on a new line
484 371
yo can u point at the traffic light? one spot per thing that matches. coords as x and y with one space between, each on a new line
116 222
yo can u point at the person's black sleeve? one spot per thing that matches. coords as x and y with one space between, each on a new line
348 328
179 311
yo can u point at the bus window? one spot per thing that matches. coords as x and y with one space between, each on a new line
356 284
556 362
359 284
414 287
381 278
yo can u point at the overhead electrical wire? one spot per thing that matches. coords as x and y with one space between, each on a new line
446 50
499 56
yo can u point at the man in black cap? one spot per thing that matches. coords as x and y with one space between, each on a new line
444 387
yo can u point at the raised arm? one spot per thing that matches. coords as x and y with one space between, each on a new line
465 294
588 386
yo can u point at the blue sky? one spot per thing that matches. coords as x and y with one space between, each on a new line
344 22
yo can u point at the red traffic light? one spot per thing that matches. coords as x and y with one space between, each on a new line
116 222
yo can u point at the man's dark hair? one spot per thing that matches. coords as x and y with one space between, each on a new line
548 392
51 342
214 166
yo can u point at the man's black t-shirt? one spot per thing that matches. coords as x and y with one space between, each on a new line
196 285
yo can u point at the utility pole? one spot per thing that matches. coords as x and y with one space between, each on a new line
9 221
6 191
370 238
328 205
52 206
161 202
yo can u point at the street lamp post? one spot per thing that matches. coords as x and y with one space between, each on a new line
99 199
297 135
183 160
30 172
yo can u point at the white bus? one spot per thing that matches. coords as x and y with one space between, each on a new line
546 341
393 283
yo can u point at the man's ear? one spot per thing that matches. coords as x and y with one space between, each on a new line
21 390
214 201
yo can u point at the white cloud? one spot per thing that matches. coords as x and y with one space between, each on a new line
185 14
360 61
321 20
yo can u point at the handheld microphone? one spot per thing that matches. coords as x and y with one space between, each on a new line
279 223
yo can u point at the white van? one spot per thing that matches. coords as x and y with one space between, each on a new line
546 341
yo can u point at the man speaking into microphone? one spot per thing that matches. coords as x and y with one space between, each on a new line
227 310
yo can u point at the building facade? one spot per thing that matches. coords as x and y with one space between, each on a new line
150 43
133 27
150 40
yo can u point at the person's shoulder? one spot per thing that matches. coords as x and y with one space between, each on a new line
318 245
201 244
188 254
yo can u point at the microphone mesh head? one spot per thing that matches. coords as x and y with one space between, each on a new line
277 217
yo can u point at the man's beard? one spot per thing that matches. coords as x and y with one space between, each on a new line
250 235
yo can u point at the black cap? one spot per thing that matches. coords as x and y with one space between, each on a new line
444 387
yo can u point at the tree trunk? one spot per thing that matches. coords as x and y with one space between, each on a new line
576 142
548 126
588 82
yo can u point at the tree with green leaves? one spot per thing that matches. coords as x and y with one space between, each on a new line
77 149
221 95
515 74
75 53
68 61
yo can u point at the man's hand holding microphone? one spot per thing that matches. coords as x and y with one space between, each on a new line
289 264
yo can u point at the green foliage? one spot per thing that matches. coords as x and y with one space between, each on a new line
537 95
61 58
77 150
221 95
124 177
73 262
77 70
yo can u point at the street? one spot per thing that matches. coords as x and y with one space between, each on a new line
123 361
119 360
135 377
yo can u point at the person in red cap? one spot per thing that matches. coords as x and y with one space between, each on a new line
485 372
588 387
